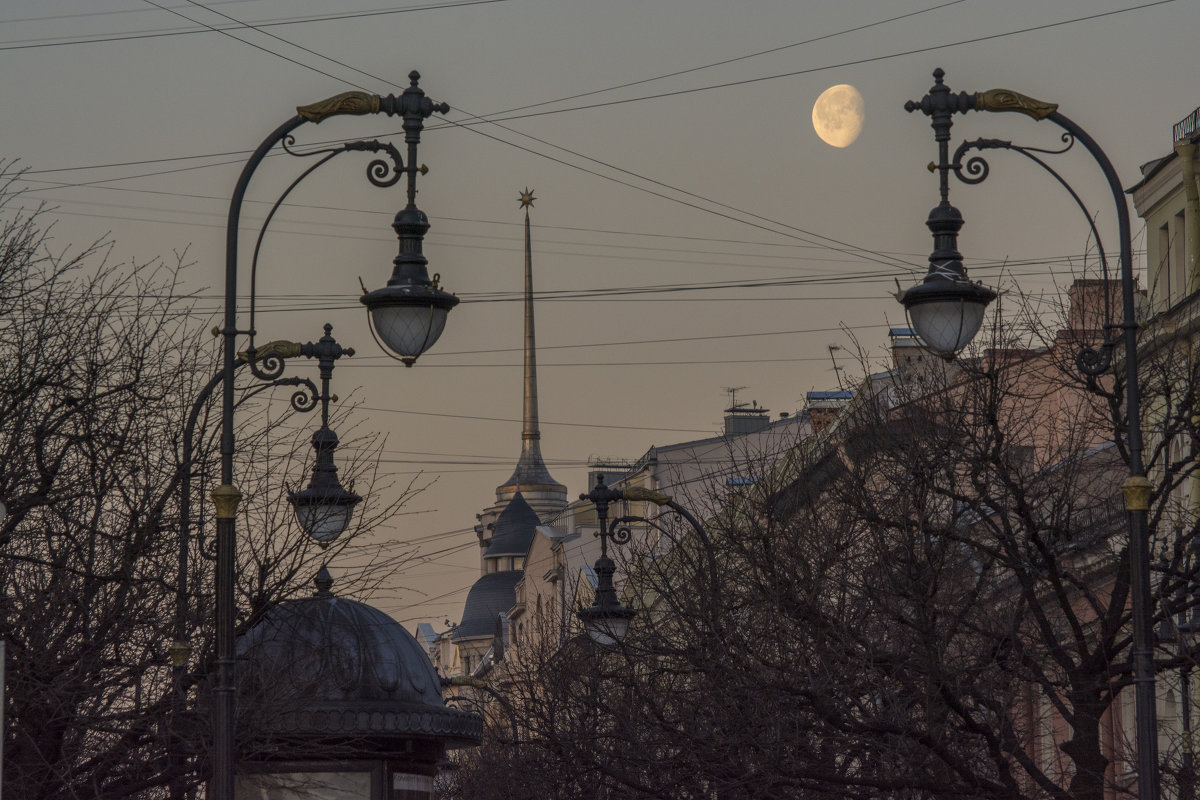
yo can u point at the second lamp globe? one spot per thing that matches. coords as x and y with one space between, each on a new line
324 508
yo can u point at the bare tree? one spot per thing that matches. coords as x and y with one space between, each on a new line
928 599
100 364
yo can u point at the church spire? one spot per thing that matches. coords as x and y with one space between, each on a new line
530 434
531 476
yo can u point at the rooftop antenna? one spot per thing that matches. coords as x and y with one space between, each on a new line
837 371
732 392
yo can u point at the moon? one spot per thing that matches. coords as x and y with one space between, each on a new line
838 115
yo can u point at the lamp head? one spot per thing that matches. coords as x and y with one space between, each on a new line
606 620
946 309
324 508
408 315
607 626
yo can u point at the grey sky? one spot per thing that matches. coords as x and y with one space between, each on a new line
709 177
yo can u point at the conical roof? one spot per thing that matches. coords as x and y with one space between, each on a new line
514 529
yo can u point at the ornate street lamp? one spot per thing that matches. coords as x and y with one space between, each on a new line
408 316
409 313
947 316
606 621
324 508
325 517
946 309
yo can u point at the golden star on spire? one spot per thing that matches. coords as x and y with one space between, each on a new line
527 198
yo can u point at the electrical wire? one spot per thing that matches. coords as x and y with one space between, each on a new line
735 59
225 32
597 426
855 249
106 13
36 44
840 65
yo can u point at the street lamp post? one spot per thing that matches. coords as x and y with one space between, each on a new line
323 517
946 311
606 621
407 315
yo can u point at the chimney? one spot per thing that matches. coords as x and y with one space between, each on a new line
916 366
742 419
824 407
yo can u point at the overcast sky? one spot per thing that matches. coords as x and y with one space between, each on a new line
671 148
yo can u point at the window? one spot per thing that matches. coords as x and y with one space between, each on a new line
1182 285
1164 266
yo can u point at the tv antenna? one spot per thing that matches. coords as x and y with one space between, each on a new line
837 371
732 392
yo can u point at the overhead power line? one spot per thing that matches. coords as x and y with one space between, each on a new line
105 13
156 34
853 248
735 59
840 65
543 421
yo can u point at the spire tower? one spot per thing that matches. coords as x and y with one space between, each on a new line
530 434
531 477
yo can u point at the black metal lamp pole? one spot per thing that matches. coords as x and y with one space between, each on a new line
933 321
408 315
606 620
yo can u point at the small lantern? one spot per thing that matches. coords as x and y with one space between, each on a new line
606 620
324 508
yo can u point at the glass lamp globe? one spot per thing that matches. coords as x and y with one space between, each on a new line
324 508
607 625
408 329
323 521
409 313
946 313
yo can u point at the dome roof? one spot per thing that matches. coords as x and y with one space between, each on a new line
491 595
339 667
514 529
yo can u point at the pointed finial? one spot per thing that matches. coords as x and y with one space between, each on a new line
324 582
526 198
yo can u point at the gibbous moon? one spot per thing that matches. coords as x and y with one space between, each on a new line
838 115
